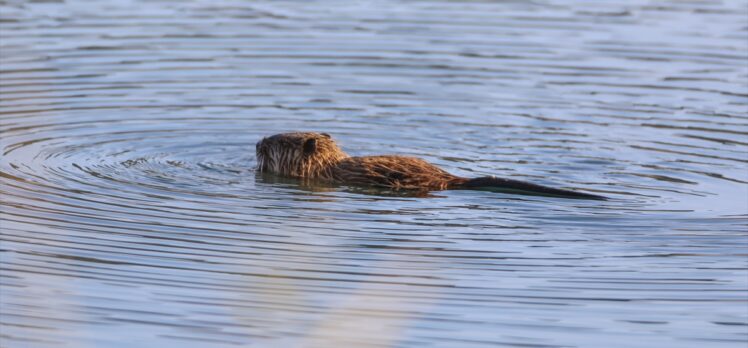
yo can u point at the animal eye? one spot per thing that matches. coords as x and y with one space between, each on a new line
310 146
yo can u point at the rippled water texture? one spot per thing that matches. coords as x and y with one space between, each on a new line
132 217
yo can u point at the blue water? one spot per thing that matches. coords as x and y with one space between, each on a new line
131 214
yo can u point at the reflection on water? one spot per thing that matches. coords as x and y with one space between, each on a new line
131 211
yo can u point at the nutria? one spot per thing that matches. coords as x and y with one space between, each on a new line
316 156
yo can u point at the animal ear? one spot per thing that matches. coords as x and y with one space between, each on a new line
310 146
326 135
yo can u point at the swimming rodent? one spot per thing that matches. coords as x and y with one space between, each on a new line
316 156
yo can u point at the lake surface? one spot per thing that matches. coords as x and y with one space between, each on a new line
132 215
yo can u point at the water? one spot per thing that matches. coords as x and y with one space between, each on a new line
131 214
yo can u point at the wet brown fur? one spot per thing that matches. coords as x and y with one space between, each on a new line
311 155
315 156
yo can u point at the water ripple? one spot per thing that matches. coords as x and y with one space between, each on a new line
131 210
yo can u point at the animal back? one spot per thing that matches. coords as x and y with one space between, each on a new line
397 172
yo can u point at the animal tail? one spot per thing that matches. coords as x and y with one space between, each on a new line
490 183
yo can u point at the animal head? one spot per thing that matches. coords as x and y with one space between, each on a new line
298 154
